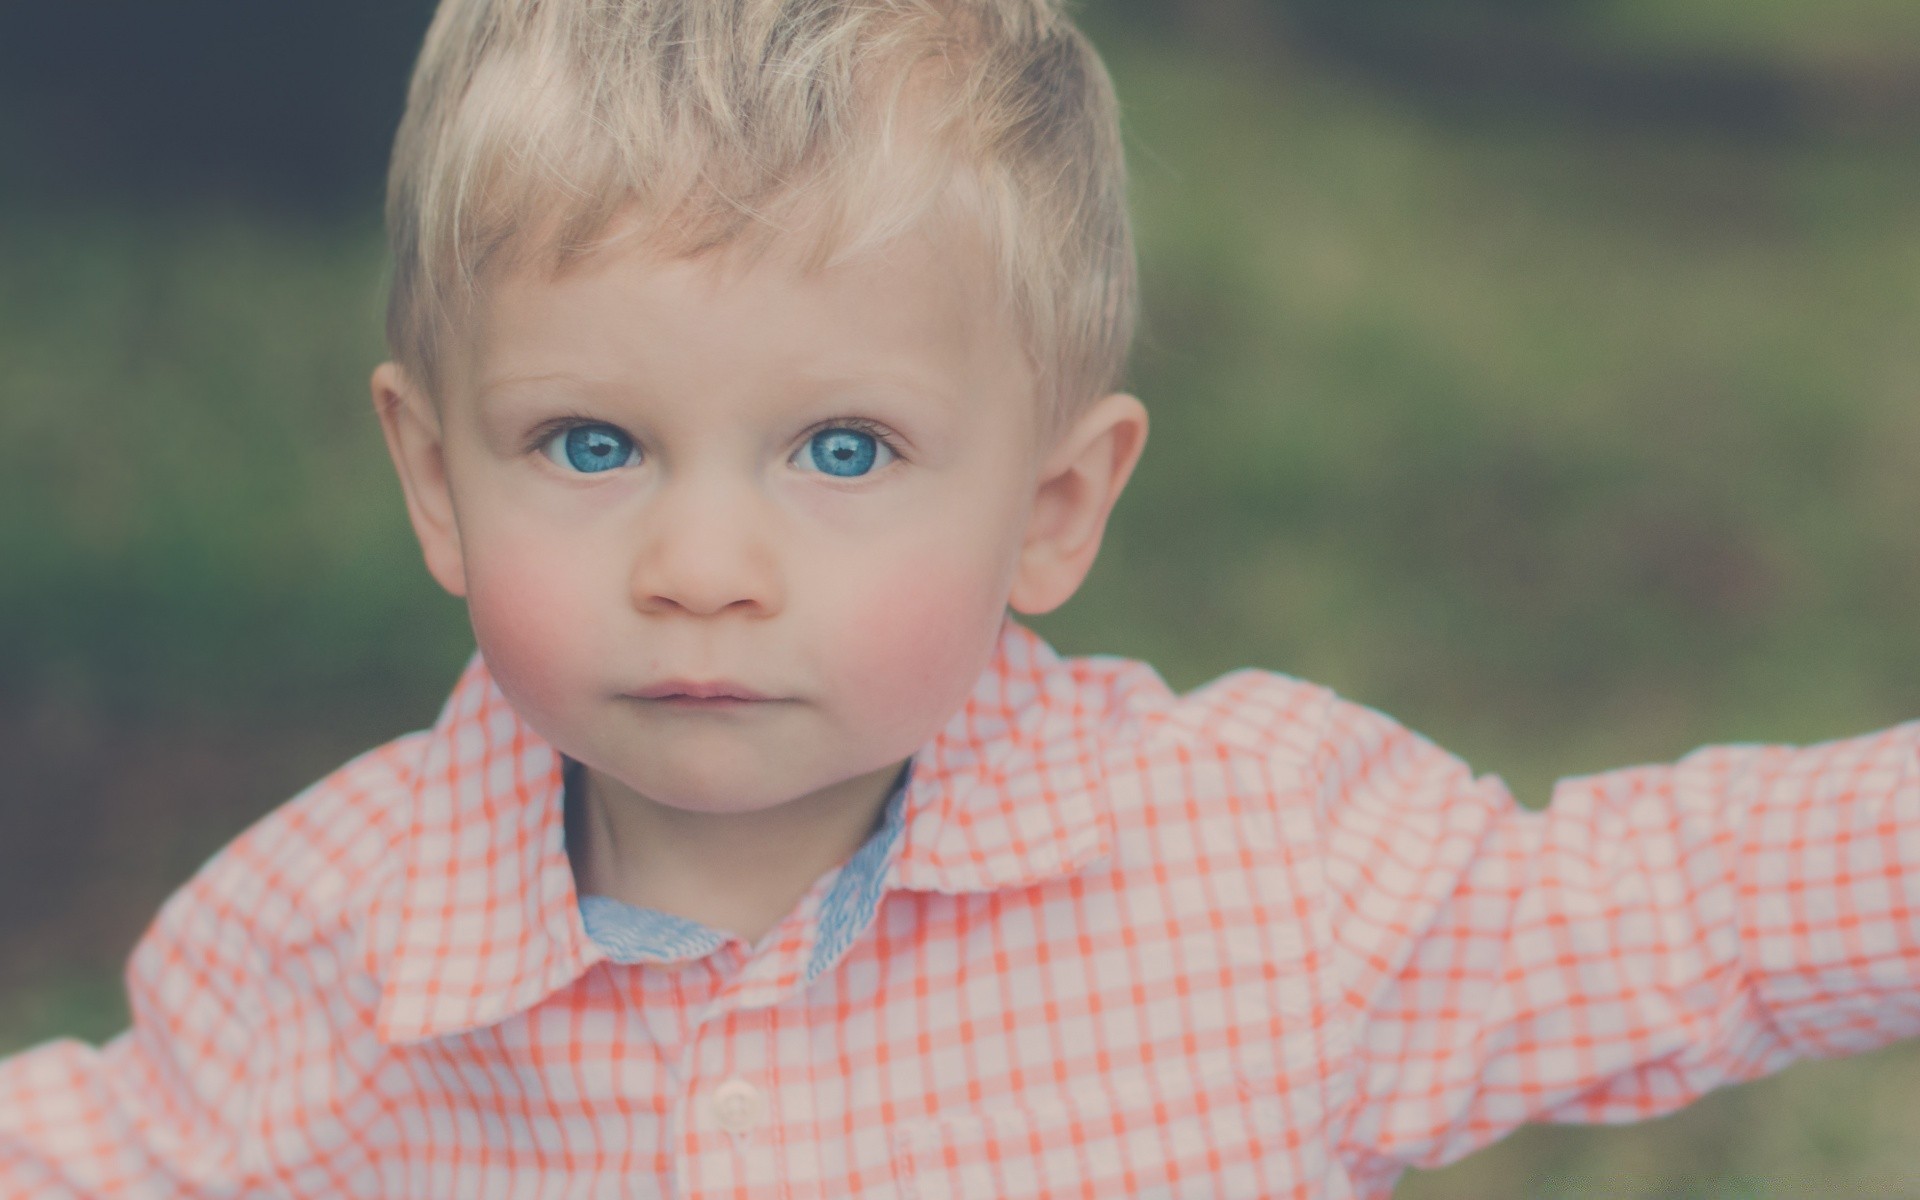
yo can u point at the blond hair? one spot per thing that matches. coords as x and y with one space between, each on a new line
531 125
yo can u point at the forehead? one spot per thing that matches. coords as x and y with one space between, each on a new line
920 308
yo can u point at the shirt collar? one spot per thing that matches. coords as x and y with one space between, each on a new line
1009 793
483 920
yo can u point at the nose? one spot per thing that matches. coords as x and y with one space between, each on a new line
706 549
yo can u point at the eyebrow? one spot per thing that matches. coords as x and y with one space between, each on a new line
521 388
883 381
497 382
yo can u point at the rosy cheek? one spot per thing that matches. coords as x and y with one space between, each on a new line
914 644
522 622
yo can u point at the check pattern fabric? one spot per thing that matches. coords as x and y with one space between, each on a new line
1253 941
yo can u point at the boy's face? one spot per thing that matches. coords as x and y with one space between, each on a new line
812 495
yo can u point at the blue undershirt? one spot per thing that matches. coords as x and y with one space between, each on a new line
629 933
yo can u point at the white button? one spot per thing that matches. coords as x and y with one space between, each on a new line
738 1105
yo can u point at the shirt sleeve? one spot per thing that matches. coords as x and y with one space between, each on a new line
229 1081
160 1110
1654 933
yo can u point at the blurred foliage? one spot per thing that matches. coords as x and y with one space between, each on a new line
195 502
1542 372
1566 443
292 104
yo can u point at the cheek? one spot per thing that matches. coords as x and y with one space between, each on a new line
916 642
925 615
520 602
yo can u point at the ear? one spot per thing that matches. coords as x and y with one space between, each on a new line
418 447
1080 479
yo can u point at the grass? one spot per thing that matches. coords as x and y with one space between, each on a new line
1568 445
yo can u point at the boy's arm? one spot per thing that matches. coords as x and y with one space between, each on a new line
1655 933
242 992
162 1109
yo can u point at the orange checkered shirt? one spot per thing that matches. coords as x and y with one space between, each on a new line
1253 941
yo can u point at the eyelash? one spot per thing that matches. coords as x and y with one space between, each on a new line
873 429
546 431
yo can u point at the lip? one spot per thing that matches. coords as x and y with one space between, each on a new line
712 692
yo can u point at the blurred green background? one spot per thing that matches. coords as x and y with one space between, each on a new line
1544 372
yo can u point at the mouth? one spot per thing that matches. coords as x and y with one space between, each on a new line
698 694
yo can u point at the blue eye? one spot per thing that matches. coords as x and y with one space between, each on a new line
590 449
845 452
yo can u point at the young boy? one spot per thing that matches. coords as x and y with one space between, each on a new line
751 360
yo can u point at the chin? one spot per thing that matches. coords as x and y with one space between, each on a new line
703 793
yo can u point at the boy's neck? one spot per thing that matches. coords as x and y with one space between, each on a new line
735 872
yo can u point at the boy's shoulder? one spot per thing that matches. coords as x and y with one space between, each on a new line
1278 739
1250 711
310 866
1257 711
397 878
1249 746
